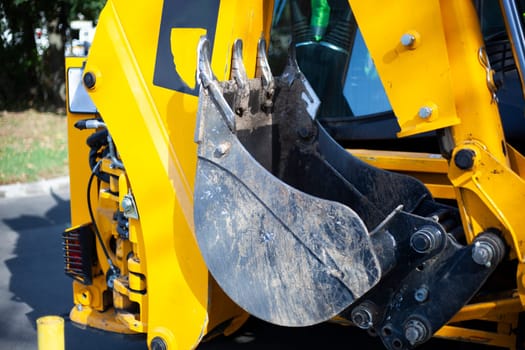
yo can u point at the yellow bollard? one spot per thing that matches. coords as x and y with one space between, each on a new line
50 332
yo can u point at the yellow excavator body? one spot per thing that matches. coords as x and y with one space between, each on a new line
205 190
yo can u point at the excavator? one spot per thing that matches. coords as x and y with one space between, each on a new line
300 162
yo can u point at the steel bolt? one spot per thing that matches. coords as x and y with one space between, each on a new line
416 331
425 112
421 294
483 253
408 40
158 343
90 80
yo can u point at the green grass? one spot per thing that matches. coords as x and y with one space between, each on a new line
33 146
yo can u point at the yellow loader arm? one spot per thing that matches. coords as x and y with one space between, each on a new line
148 274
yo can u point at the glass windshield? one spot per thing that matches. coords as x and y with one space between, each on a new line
335 60
363 89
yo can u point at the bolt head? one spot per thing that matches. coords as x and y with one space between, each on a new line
416 331
412 334
482 254
425 112
408 39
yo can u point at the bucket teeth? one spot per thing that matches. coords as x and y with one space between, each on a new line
238 71
264 72
210 85
238 74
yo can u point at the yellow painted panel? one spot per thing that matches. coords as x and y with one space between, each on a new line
186 60
123 59
79 170
153 129
414 76
249 28
477 336
431 169
403 161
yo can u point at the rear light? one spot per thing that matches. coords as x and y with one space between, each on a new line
79 253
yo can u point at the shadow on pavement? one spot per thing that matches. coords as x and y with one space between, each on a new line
37 277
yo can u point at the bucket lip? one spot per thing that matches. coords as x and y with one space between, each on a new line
50 319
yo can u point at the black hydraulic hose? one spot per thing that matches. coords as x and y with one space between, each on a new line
94 172
96 142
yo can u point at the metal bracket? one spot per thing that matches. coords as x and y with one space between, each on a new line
129 207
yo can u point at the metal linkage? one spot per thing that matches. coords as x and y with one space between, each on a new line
430 295
238 73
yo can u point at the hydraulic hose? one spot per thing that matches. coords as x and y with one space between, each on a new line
113 270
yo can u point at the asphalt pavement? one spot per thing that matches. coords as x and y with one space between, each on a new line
32 284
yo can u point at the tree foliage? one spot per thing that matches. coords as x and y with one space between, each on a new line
31 77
